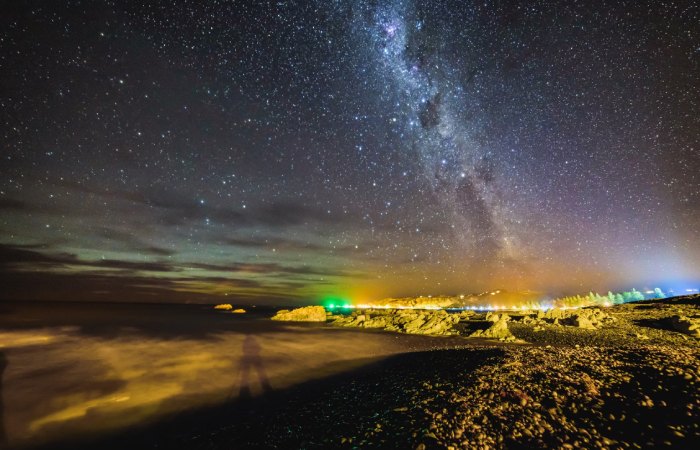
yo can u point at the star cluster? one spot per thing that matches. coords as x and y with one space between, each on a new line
287 151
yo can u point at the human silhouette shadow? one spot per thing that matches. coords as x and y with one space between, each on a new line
3 435
251 361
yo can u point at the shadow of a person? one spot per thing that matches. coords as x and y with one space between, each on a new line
251 360
3 435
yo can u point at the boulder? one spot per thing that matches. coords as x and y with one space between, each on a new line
495 317
413 326
686 325
590 318
305 314
438 324
492 317
375 322
499 330
553 314
466 314
582 321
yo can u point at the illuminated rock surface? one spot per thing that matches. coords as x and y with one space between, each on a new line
687 325
499 330
403 321
305 314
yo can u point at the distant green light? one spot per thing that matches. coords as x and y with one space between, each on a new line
335 302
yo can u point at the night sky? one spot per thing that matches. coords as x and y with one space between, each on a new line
282 152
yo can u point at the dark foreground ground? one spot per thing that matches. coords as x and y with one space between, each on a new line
633 384
475 398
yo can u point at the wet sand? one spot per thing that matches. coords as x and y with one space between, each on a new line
85 370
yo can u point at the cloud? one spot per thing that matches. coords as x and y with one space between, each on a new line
265 268
292 213
18 257
282 244
130 241
12 255
132 265
175 209
28 273
34 285
269 242
13 205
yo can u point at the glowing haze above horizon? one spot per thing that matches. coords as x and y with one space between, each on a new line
286 152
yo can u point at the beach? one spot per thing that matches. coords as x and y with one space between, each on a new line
248 382
82 370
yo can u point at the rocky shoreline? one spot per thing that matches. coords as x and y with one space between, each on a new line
637 320
507 397
627 378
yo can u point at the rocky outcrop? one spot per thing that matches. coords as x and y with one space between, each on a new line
582 321
403 321
499 330
686 325
495 317
586 318
305 314
590 318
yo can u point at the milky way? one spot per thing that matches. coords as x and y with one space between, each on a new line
442 124
290 151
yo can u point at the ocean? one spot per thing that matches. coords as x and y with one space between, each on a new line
82 369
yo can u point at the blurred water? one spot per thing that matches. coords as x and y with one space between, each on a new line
72 369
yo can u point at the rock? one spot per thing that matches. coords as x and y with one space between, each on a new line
305 314
495 317
499 330
553 314
375 322
239 311
224 306
686 325
403 321
413 326
582 321
466 314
